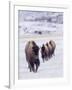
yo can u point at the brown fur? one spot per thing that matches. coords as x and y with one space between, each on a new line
32 55
52 43
44 52
47 50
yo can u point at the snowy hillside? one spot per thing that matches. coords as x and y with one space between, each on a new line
39 22
42 16
32 28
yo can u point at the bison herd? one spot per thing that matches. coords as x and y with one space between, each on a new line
32 53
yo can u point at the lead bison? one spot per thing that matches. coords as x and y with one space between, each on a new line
32 56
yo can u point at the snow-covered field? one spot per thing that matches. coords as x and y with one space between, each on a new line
33 28
49 69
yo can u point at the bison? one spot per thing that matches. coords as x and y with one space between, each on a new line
44 52
53 45
50 49
32 56
47 50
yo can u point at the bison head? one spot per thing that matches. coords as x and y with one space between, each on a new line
35 49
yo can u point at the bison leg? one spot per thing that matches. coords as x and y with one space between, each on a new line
32 66
29 66
37 64
54 54
50 54
36 67
43 57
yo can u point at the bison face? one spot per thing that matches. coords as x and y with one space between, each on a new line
43 48
47 44
35 49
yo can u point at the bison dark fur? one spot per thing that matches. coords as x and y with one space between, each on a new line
53 45
44 52
32 56
47 50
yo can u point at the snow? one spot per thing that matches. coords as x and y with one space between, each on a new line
30 27
49 69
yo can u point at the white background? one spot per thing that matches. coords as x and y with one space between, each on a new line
4 48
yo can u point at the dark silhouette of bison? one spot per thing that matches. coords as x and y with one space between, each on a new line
32 56
47 50
44 52
53 45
